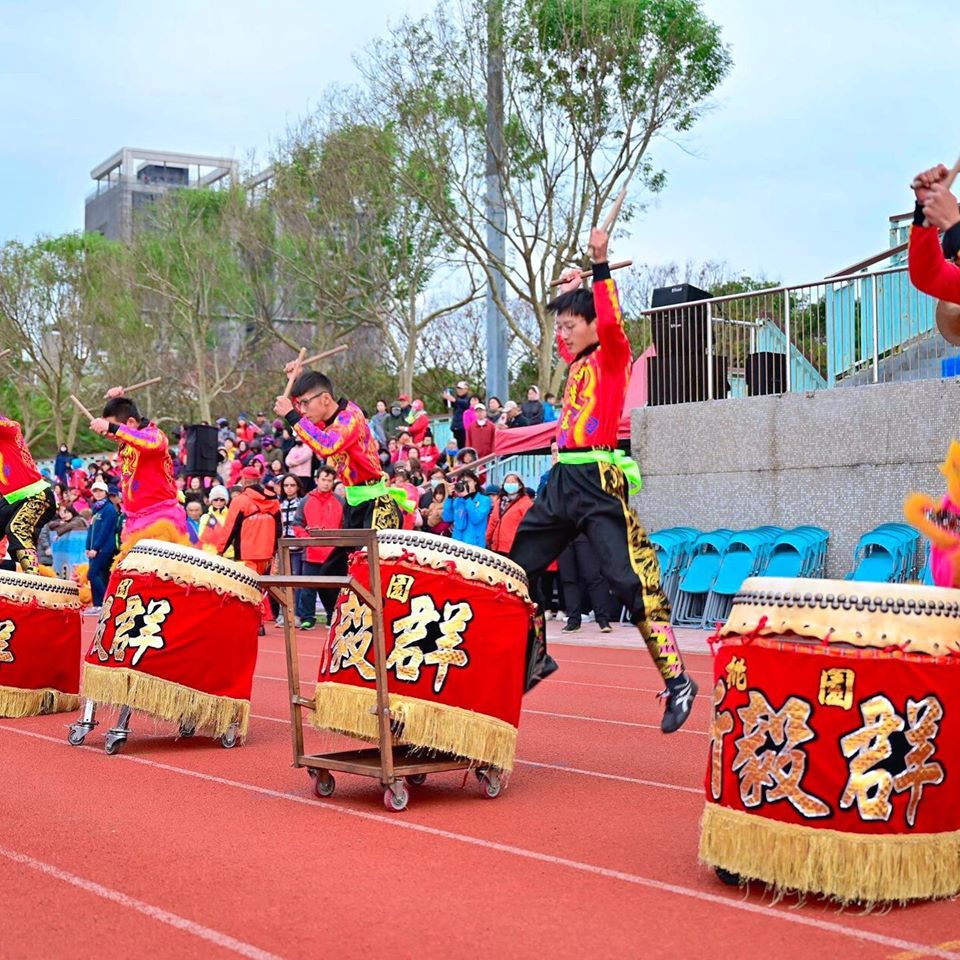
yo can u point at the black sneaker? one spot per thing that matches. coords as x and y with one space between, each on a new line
571 626
680 699
605 627
307 624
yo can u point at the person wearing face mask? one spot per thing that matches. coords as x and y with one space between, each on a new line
436 480
508 509
467 509
394 421
62 463
481 433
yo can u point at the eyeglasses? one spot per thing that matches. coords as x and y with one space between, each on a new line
303 401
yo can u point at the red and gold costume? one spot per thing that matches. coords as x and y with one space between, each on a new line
347 444
26 501
150 503
930 272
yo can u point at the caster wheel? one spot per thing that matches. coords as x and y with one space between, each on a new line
395 798
230 739
186 730
323 783
76 736
417 779
727 877
114 745
490 784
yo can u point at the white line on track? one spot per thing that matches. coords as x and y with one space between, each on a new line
562 716
555 766
147 909
732 902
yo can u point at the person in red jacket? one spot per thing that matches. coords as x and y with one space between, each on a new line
149 494
933 270
509 508
321 509
587 490
253 524
419 421
481 432
26 500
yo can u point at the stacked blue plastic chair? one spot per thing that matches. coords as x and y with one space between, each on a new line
886 554
926 574
698 577
673 545
745 554
800 552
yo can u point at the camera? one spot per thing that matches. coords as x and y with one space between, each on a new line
460 486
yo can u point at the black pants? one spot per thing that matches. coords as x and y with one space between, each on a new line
21 523
584 586
591 499
460 435
334 566
383 513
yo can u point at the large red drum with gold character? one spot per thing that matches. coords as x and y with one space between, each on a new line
177 637
456 620
40 645
834 760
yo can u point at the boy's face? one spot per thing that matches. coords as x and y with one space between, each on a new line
576 332
325 482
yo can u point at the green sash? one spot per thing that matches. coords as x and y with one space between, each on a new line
365 493
630 468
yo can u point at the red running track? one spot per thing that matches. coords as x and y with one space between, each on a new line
185 850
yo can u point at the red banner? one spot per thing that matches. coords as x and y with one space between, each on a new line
858 741
39 647
187 635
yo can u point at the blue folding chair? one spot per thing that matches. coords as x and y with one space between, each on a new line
698 577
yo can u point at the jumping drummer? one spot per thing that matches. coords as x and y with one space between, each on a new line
587 489
149 494
934 271
26 500
338 431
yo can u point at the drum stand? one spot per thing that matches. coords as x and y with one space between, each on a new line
392 764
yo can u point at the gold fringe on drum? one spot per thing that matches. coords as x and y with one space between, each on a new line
17 702
848 867
121 687
432 726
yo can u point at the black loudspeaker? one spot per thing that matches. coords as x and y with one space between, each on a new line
202 450
766 373
677 379
682 331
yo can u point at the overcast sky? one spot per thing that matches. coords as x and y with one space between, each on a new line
829 110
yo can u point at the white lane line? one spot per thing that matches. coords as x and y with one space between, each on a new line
147 909
732 902
555 766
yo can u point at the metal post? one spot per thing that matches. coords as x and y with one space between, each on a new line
786 334
710 383
496 209
875 312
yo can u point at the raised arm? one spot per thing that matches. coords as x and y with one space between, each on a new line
326 441
150 437
616 352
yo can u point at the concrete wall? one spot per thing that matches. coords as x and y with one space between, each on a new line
841 459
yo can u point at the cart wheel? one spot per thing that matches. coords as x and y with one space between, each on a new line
395 798
187 729
323 783
728 877
76 735
231 738
417 779
490 784
113 744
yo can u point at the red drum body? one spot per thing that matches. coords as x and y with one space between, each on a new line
40 645
456 620
177 637
834 762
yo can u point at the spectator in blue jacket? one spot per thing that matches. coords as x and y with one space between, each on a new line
101 543
467 509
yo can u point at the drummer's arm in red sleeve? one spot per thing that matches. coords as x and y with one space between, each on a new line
325 441
929 271
616 350
149 437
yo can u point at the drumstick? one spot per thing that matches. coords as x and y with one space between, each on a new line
948 181
584 274
614 211
325 354
82 408
143 383
295 372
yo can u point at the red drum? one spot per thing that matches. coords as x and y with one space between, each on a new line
834 761
177 637
456 620
40 645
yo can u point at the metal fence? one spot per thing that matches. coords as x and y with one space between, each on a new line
862 328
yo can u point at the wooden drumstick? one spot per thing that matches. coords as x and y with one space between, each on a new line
325 354
143 383
295 372
585 274
82 408
614 211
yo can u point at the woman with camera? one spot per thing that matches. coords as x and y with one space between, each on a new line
468 509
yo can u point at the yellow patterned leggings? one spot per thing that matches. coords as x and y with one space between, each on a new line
20 522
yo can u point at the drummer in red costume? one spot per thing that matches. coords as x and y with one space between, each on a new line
934 271
26 500
149 494
338 432
587 489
